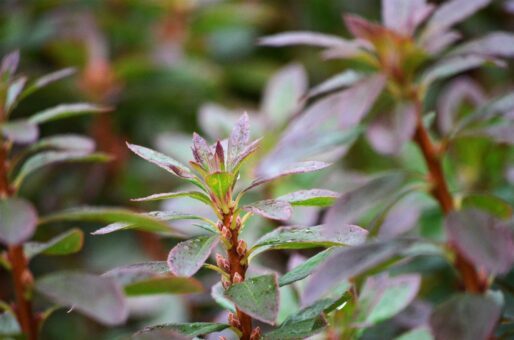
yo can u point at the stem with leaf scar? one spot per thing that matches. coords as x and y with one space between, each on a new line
21 275
473 280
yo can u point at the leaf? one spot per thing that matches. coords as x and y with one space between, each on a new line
404 16
67 243
498 44
303 38
161 160
451 13
68 142
349 262
452 66
439 42
388 133
150 278
216 121
337 82
18 220
110 215
168 195
217 293
13 93
312 197
305 269
499 133
49 157
382 297
272 209
20 131
283 94
297 329
496 107
309 237
291 169
416 334
220 183
400 218
8 325
9 64
465 317
353 204
201 151
238 140
95 296
244 154
187 257
491 204
484 240
257 297
187 329
48 79
65 111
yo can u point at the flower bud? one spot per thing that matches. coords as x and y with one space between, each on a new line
222 263
256 334
225 283
226 233
241 248
233 320
237 278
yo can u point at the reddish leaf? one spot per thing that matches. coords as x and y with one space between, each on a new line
440 42
404 16
161 160
10 63
18 220
20 131
201 150
496 44
362 28
239 138
272 209
303 38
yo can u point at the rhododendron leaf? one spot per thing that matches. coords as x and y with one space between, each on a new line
187 257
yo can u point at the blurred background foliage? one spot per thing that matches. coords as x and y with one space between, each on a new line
157 63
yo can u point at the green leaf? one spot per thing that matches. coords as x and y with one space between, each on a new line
13 93
18 220
68 142
168 195
20 131
150 278
272 209
46 80
108 215
8 325
305 269
296 237
297 330
382 296
312 197
95 296
491 204
49 157
65 111
220 183
187 329
416 334
217 293
161 160
256 296
67 243
238 140
187 257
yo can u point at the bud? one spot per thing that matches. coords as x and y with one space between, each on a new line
222 263
241 248
238 222
233 320
225 283
256 334
220 225
226 233
237 278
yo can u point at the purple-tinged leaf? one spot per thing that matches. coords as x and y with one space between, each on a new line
256 296
187 257
20 131
382 296
337 82
218 294
420 333
355 203
150 278
216 121
238 140
441 41
66 243
298 327
95 296
402 217
18 220
296 237
465 317
283 94
450 13
489 203
13 93
349 262
158 332
168 195
272 209
389 132
246 152
500 133
500 106
454 65
291 169
362 28
496 44
404 16
10 64
161 160
305 269
303 38
201 151
68 142
65 111
484 240
312 197
188 330
48 79
451 99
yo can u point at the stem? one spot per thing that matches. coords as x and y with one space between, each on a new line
21 275
235 260
473 280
